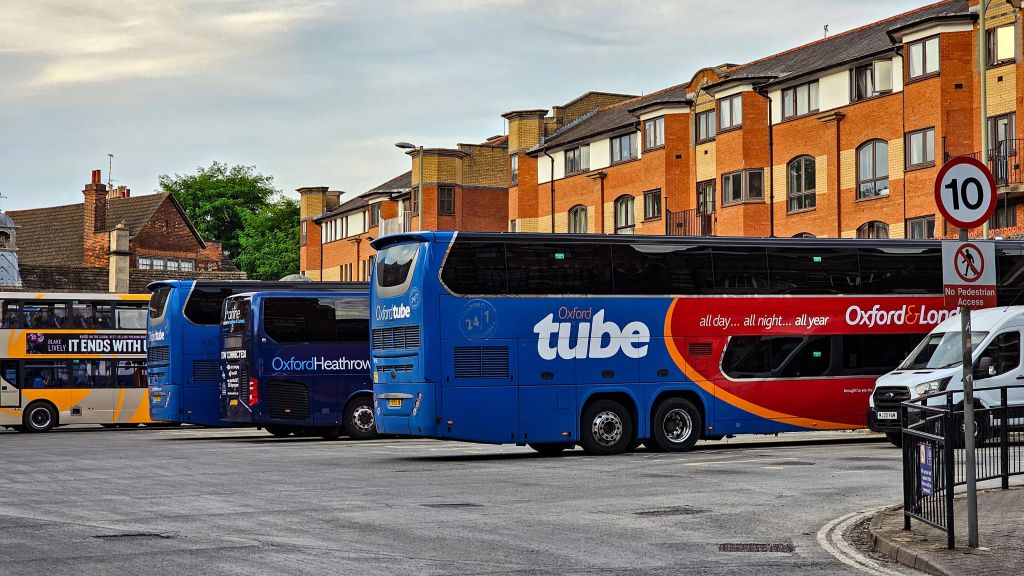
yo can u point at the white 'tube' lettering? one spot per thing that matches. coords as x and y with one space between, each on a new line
596 339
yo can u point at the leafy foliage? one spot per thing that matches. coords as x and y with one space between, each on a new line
269 241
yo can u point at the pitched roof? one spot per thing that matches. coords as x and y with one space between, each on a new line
397 185
842 48
53 236
609 118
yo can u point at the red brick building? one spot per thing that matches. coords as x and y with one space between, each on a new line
464 188
841 137
113 241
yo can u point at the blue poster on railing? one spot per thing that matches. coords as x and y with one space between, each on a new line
925 461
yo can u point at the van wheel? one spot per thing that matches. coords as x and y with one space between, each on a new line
279 432
551 448
331 433
360 423
981 429
606 428
39 417
677 425
895 438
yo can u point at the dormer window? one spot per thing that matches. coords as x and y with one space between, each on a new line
800 100
872 79
577 160
730 112
923 57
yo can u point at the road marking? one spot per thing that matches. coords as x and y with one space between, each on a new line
830 537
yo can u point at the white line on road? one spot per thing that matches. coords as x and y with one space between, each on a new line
830 537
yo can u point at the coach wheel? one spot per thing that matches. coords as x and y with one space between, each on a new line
677 425
895 438
551 448
39 417
279 432
359 419
606 428
331 433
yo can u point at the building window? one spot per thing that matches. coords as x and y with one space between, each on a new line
577 160
652 204
578 219
921 148
654 133
512 227
872 79
162 263
873 229
800 100
801 184
1001 134
924 57
920 228
803 235
446 200
514 168
414 201
730 112
625 220
1002 46
705 122
624 148
302 233
873 169
1004 216
743 186
375 214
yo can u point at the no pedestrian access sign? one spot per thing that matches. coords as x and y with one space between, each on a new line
969 274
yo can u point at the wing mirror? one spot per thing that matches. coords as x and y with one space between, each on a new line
984 369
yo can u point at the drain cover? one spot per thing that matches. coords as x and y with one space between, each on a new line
452 505
670 511
755 547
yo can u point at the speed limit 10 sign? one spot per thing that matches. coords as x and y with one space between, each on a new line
965 192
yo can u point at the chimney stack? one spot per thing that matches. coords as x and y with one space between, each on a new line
95 205
119 192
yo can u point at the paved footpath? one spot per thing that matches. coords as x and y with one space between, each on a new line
1000 517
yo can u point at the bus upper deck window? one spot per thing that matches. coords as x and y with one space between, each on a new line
11 316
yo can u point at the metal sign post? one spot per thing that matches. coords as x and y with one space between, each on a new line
965 193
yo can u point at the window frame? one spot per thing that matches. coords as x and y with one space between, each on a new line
577 214
992 42
731 101
655 127
793 92
648 194
709 120
908 148
875 178
875 92
615 143
630 224
872 226
927 221
446 210
923 43
745 197
513 167
801 194
574 160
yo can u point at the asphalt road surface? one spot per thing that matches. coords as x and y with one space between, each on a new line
90 501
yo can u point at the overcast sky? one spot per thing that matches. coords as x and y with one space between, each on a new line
316 93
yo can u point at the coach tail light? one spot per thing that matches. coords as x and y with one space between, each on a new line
254 391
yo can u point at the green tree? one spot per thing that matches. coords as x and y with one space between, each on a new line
269 241
218 198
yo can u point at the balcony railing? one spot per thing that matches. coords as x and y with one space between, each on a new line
397 225
690 223
1003 160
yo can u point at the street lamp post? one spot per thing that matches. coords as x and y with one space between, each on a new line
419 183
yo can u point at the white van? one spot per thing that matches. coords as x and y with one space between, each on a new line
935 364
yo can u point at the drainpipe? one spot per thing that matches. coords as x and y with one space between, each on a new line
771 165
551 185
839 180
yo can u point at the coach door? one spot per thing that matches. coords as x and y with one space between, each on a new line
10 395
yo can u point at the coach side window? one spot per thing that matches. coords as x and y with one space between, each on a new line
901 270
569 268
11 315
475 268
740 270
351 319
813 270
662 269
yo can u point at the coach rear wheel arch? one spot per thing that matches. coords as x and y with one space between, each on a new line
607 427
279 431
360 423
39 417
676 425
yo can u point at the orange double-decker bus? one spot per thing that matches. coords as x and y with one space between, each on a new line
72 359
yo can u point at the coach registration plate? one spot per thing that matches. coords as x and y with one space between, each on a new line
394 402
888 416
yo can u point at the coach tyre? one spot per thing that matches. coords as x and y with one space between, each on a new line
280 432
677 425
606 428
359 419
39 417
551 448
895 438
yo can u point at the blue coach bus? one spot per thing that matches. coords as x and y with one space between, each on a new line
298 362
183 339
610 341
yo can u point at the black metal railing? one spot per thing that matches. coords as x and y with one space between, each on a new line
1003 160
690 223
934 460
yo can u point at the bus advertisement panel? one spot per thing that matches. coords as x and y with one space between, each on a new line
608 342
184 344
72 359
298 362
